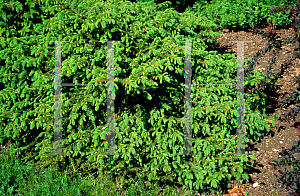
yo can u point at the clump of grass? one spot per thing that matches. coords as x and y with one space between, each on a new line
12 173
18 179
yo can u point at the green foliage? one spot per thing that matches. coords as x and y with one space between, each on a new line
11 175
20 179
244 13
149 88
56 185
180 6
280 18
67 183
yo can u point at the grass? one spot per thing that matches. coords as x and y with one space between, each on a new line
18 179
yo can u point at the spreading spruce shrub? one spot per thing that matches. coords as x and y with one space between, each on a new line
149 88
